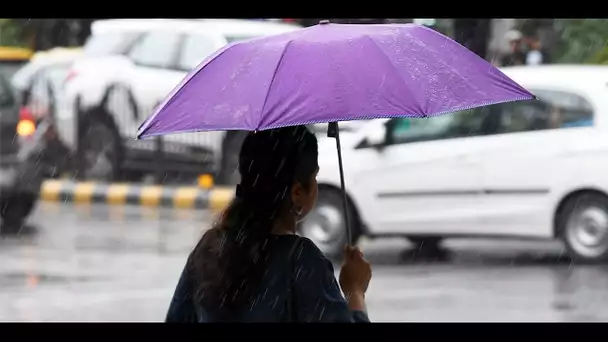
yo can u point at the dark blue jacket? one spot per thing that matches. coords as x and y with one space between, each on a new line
299 286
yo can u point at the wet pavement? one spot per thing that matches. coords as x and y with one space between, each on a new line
102 263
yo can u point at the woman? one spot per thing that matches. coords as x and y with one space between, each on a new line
252 267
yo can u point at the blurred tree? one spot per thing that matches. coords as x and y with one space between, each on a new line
601 57
44 34
473 34
12 33
530 27
581 40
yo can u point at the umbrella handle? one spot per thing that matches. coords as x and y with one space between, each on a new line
333 131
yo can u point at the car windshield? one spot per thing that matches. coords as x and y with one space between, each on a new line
105 43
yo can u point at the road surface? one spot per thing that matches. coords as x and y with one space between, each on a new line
102 263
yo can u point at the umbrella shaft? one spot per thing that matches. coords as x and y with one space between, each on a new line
336 132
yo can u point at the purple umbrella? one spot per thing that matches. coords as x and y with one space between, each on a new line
330 73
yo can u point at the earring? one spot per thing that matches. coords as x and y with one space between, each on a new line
299 211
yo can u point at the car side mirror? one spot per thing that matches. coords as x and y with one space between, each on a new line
376 136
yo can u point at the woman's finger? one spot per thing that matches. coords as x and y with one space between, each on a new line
357 252
348 251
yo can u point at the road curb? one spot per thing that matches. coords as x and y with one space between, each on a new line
185 197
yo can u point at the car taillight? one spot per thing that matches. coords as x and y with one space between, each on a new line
26 114
27 123
289 20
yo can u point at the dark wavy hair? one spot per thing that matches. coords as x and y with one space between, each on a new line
230 259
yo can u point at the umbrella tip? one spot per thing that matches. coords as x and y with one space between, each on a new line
324 22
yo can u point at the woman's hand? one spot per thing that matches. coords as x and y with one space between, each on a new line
354 279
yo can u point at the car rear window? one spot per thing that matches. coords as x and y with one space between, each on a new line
23 76
115 42
49 79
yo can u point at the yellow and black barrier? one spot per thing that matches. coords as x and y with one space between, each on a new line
183 197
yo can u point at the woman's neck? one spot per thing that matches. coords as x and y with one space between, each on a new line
285 226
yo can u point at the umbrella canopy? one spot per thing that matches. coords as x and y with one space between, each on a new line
328 73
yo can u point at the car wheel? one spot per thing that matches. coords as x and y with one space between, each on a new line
325 224
15 210
100 149
583 227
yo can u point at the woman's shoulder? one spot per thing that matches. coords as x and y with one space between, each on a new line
302 249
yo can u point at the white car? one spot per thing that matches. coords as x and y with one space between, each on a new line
114 92
41 85
531 169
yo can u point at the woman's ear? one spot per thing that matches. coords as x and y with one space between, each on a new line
297 194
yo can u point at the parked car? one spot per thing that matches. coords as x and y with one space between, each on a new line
114 92
531 169
22 166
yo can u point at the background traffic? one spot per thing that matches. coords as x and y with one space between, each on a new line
531 170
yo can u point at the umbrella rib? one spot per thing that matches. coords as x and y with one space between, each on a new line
274 74
400 76
145 126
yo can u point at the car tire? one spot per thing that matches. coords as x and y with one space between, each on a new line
101 150
325 224
15 210
582 225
